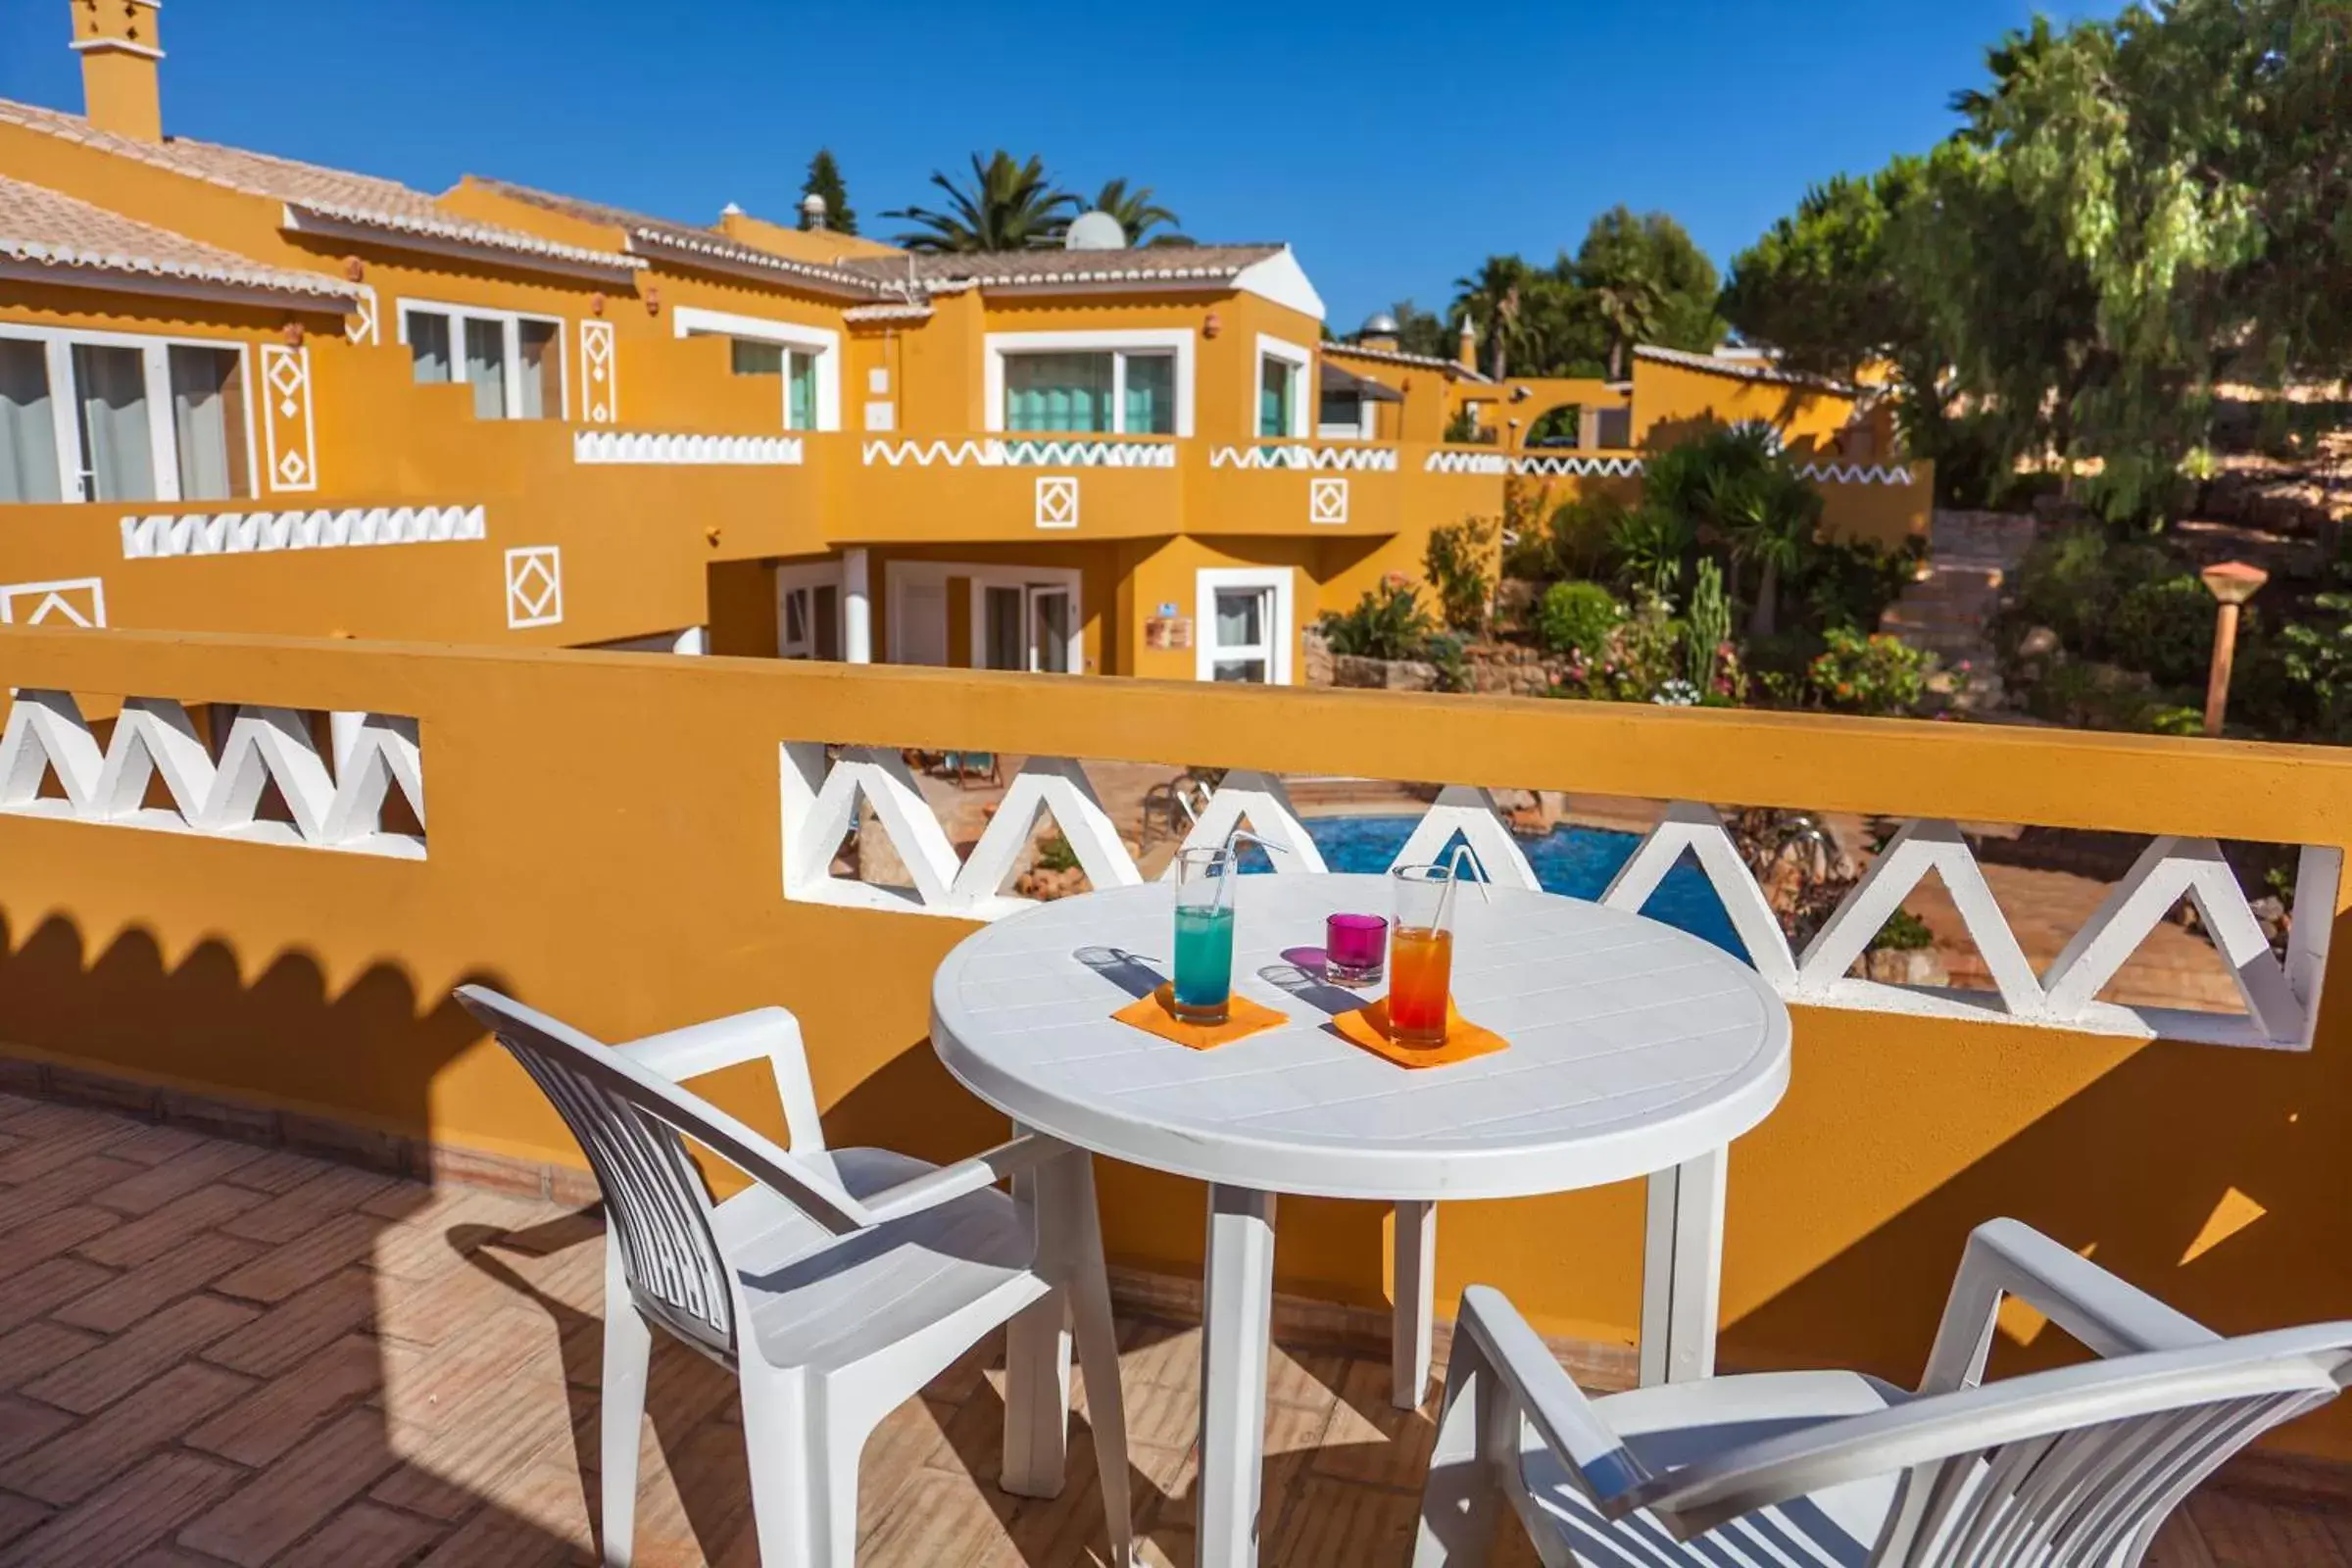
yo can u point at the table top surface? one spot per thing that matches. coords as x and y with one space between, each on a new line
1634 1046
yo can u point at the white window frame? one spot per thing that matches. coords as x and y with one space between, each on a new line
1365 428
1279 632
807 579
688 321
1302 360
155 363
1118 345
899 575
510 336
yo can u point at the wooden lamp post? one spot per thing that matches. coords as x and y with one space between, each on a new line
2232 583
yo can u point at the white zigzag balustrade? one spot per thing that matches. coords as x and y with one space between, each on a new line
654 447
160 535
1018 452
1363 459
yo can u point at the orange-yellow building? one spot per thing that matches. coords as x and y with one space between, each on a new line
244 393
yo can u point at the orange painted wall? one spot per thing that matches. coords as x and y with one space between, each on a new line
1672 403
626 876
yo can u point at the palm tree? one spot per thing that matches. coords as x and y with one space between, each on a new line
1495 295
1139 214
1628 308
1009 207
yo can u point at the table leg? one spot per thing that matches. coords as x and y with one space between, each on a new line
1681 1270
1037 1361
1238 1298
1412 1293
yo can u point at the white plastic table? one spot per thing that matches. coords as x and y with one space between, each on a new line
1637 1050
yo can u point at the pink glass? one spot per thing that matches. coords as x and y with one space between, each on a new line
1354 948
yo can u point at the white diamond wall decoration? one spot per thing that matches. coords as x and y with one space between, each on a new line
1058 501
289 442
600 374
534 586
1326 501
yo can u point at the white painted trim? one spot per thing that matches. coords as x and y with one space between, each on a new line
1207 581
1302 361
545 256
1162 340
899 575
157 536
510 346
155 371
1279 278
689 321
134 279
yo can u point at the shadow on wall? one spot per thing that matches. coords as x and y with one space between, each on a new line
2212 1177
1795 403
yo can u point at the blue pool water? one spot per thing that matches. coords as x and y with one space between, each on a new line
1578 861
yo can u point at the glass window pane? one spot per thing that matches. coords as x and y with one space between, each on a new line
1049 629
751 356
117 455
542 369
796 623
1151 394
1057 393
487 367
428 346
1275 378
1240 669
207 423
27 424
1001 645
1241 617
800 392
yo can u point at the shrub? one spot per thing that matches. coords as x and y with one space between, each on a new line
1388 622
1460 559
2164 628
1649 544
1874 675
1578 616
1851 582
1574 541
1054 854
1903 932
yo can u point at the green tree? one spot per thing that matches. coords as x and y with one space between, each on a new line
824 180
1646 280
1493 297
1008 207
1418 331
1139 214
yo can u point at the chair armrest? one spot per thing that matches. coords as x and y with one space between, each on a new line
951 1181
677 1055
2005 1258
1550 1398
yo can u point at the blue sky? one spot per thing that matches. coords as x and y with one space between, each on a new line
1391 146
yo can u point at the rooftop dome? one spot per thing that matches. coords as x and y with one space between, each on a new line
1094 231
1379 323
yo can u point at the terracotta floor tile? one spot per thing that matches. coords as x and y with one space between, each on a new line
332 1242
2245 1532
209 1160
296 1495
305 1322
19 1517
157 1144
278 1172
35 1349
1330 1524
131 1513
269 1421
164 1278
27 1424
132 1359
73 1464
61 1230
63 1188
365 1536
157 1232
26 1293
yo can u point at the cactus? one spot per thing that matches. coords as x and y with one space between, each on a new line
1708 625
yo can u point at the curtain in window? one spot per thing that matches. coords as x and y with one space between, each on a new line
27 424
751 356
207 424
1151 394
1274 381
1057 393
487 367
429 347
116 450
1002 644
800 392
542 369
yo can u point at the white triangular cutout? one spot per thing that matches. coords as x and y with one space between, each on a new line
155 737
46 731
1928 846
377 754
1688 825
270 745
1261 802
2167 869
1054 787
1471 813
820 807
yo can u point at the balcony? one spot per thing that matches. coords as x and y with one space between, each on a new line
633 842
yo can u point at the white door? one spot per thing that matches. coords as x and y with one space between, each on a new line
1244 631
1052 631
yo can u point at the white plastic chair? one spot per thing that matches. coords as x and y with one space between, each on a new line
835 1287
2078 1466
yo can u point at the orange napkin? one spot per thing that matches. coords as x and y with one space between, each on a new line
1154 1015
1368 1027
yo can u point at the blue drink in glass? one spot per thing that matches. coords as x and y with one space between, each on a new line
1203 984
1204 963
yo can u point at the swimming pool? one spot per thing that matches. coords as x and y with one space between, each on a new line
1576 860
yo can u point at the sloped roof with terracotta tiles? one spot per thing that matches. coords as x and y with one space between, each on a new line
53 229
1050 264
339 194
685 245
1741 369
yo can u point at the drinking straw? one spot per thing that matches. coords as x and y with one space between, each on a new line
1453 877
1242 835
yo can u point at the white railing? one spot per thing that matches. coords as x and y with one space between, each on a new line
1319 459
821 806
652 447
332 808
1557 465
1855 473
233 533
1020 452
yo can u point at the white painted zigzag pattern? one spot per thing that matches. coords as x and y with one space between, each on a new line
997 453
1364 460
821 806
640 446
232 533
154 738
1855 473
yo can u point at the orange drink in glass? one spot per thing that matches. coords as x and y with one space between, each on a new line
1421 951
